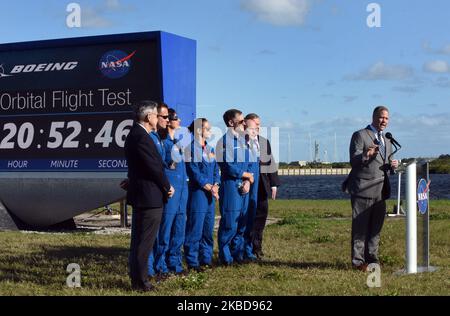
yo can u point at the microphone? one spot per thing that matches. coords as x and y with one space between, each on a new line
393 141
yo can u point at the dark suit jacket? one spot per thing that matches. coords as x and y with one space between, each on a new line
148 184
368 179
268 170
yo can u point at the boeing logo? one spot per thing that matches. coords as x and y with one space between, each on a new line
33 68
2 72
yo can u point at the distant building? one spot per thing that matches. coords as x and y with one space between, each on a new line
302 163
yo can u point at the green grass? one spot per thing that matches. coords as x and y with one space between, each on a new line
307 253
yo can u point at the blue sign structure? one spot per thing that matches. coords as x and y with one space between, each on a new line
66 110
422 196
65 105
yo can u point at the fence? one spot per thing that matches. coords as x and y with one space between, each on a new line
313 172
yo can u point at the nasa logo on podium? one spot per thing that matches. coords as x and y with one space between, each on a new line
422 196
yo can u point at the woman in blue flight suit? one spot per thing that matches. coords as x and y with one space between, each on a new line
204 179
172 229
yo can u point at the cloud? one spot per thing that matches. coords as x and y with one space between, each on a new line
113 4
406 89
437 66
278 12
93 17
215 48
435 123
444 50
381 71
266 52
442 82
421 135
350 98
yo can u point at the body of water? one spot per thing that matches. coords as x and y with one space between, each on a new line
329 187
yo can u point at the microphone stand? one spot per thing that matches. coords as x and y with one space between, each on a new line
400 211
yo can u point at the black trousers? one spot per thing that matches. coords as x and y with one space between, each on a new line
262 210
144 229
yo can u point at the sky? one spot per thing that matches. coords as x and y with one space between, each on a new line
312 68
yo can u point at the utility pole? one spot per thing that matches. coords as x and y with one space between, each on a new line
335 148
289 148
310 148
316 152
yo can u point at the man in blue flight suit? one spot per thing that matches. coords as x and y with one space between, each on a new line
204 182
163 120
236 179
251 135
173 222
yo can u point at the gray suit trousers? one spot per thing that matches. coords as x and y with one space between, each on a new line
367 221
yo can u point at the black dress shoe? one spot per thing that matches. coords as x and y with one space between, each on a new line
361 267
195 269
239 260
227 263
259 254
147 287
182 273
162 277
206 267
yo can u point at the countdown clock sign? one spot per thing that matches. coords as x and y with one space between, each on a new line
67 107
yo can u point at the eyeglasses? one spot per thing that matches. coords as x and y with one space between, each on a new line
166 117
174 118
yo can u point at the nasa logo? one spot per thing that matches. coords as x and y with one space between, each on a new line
115 64
422 196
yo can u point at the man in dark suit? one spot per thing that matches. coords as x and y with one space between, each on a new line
147 190
267 187
368 184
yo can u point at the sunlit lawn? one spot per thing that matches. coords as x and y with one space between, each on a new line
307 253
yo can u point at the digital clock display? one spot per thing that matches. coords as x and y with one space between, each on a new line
69 108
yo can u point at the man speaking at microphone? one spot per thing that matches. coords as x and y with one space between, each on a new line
369 186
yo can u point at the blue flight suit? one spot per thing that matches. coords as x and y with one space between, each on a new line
253 198
151 257
173 222
233 205
202 169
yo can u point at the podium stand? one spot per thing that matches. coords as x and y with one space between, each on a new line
417 199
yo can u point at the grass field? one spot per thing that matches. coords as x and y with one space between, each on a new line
307 253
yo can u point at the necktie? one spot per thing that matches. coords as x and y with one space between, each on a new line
381 145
